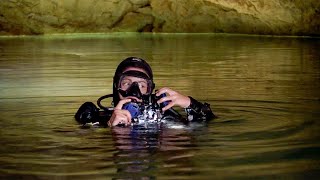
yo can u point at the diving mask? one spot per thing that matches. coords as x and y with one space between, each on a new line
135 83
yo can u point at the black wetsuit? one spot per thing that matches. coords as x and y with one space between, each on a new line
89 113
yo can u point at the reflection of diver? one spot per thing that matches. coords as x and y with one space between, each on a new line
134 102
135 148
144 149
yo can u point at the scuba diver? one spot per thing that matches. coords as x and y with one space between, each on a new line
134 101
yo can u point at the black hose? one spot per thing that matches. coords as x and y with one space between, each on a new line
102 98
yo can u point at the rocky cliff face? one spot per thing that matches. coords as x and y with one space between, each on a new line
280 17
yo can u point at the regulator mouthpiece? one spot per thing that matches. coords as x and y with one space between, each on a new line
133 108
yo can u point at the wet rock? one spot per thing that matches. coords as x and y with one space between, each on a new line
277 17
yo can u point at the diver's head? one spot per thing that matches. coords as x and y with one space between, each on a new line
133 78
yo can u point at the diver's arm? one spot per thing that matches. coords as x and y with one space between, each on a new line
197 111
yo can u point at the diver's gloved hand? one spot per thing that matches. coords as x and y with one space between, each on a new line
173 98
119 115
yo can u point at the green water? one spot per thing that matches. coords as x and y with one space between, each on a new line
265 91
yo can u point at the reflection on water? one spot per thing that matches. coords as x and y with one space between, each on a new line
265 91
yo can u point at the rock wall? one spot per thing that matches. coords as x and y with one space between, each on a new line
277 17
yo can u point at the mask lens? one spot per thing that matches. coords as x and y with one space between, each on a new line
126 82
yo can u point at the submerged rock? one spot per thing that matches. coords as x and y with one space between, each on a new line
275 17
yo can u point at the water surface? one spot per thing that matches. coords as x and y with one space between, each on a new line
265 91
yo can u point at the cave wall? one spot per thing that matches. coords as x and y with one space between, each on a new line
275 17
